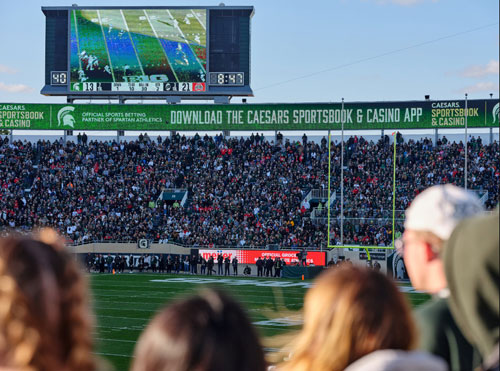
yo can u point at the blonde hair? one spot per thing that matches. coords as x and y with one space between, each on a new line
45 321
350 312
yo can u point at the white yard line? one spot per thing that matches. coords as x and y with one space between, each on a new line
161 46
132 42
106 46
184 37
200 22
77 39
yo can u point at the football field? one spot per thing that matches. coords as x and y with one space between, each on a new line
124 304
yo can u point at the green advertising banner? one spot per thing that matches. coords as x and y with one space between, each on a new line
252 117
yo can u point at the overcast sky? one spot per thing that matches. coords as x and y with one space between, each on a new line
315 51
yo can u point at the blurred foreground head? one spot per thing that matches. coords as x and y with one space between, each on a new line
207 332
349 313
429 222
45 321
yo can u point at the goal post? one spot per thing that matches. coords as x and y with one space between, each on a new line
329 216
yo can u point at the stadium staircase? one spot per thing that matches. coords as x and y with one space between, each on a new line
315 197
170 195
31 175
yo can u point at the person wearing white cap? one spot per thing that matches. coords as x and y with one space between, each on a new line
429 222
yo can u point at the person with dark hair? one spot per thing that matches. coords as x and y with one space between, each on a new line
303 258
177 264
203 266
170 264
210 265
227 264
101 263
207 332
235 266
269 267
350 324
45 318
259 263
277 267
162 264
131 263
220 260
194 264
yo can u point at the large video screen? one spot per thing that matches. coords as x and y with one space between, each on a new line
138 50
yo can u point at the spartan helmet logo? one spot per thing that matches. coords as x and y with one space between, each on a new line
65 117
496 112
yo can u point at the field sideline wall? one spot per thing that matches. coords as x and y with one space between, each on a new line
131 248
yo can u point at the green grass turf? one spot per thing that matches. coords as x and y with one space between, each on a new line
124 304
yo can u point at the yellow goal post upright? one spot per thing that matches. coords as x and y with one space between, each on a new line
367 248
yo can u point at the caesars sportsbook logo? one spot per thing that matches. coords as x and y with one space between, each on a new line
65 117
496 112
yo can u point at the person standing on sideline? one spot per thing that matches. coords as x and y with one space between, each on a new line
203 266
227 263
277 267
194 264
429 222
259 263
220 260
235 266
210 265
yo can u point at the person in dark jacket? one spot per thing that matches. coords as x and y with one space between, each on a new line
269 267
220 261
277 267
227 264
260 264
235 266
210 265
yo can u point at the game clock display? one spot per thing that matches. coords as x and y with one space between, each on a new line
227 78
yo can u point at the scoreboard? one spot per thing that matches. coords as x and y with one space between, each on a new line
147 51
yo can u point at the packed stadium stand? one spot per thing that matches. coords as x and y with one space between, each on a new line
238 192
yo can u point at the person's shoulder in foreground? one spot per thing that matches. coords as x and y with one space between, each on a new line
398 360
472 269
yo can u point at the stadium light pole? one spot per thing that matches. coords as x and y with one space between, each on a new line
329 177
341 177
466 149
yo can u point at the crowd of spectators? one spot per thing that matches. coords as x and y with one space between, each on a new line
241 192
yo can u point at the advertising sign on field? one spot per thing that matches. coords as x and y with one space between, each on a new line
251 256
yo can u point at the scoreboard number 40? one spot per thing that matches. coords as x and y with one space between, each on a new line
58 78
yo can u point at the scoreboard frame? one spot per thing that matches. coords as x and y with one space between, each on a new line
170 90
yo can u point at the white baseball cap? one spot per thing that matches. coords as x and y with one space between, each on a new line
440 208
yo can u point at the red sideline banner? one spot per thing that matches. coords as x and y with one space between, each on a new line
251 256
